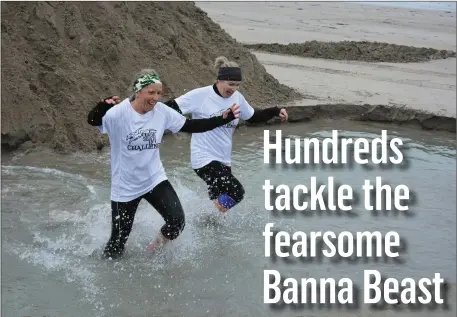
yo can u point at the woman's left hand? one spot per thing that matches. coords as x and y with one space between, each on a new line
113 100
283 115
235 109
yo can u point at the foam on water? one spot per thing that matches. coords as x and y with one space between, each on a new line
20 170
53 261
31 172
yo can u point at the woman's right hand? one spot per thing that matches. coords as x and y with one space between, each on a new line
113 100
235 109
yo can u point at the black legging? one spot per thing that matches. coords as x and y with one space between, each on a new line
163 198
220 180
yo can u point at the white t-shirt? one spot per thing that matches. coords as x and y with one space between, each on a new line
215 144
136 167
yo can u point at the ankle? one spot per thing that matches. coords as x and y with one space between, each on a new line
160 239
219 207
158 242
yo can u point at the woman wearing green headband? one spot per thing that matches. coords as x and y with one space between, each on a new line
135 127
211 151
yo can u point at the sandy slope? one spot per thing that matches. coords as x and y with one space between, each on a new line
60 58
425 86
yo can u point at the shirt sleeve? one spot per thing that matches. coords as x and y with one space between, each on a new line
189 101
107 123
174 120
246 110
110 122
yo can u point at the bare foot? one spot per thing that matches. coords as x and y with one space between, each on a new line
158 242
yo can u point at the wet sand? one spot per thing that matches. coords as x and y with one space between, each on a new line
422 86
284 22
429 86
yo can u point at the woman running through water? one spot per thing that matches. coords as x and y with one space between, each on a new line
135 128
211 151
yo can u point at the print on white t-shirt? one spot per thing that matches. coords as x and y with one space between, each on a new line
215 144
147 139
135 140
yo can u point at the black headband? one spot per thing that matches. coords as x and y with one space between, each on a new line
229 73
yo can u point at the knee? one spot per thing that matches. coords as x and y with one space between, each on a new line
173 228
237 192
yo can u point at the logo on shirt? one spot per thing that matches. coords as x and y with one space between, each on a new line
142 139
230 125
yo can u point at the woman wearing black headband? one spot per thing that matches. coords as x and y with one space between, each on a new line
211 151
135 128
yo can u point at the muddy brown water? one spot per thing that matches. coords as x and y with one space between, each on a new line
56 218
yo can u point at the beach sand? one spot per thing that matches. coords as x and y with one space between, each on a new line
429 86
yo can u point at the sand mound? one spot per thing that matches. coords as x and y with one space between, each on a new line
356 51
58 58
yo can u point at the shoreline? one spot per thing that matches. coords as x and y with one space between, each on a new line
389 116
386 114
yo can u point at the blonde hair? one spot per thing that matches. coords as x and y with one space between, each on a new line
222 61
142 72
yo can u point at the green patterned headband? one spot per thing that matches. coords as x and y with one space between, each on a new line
145 81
